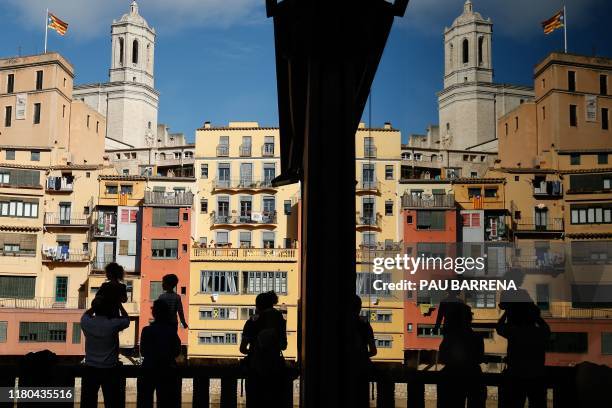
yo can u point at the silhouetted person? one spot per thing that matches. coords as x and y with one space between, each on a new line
450 312
101 332
172 300
113 292
527 335
264 337
159 347
461 352
38 369
362 348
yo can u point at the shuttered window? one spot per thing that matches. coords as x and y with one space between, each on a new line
22 178
21 287
606 341
26 244
76 333
52 332
3 331
434 220
155 289
129 216
165 217
123 246
164 249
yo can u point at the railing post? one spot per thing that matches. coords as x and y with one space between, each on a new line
416 394
229 391
385 394
201 392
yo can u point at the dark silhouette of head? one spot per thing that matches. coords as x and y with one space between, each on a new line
161 311
266 300
101 308
356 306
169 281
114 271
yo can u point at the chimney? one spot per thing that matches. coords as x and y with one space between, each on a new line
388 125
206 125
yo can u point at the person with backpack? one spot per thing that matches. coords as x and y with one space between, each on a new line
264 338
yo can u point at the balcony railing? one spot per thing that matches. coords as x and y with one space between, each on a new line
59 184
43 303
566 311
548 189
530 225
370 151
242 184
244 254
253 218
245 150
222 150
429 201
172 199
21 252
105 226
67 220
368 185
367 255
56 254
267 150
561 380
369 221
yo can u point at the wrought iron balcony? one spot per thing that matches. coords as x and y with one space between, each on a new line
253 218
372 186
168 199
550 189
244 254
428 201
67 220
222 150
59 185
56 254
267 150
43 303
243 184
245 150
373 221
105 226
526 225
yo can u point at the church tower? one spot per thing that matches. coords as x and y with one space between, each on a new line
129 100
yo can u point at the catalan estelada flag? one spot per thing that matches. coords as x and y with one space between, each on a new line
556 21
56 24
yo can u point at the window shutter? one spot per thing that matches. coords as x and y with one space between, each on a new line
125 215
172 216
159 218
476 220
123 247
157 244
131 247
3 326
133 216
424 218
437 220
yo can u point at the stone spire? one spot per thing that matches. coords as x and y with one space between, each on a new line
467 7
134 7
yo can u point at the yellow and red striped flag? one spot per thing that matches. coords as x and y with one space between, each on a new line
556 21
56 24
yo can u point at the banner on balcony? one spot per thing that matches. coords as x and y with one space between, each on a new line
21 104
591 108
257 217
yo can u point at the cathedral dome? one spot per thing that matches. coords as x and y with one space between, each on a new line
468 15
133 16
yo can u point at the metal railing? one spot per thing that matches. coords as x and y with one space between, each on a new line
244 254
68 220
428 201
566 311
105 227
243 183
73 255
43 303
21 252
267 150
547 189
369 221
173 199
368 185
245 150
59 184
222 150
530 225
243 219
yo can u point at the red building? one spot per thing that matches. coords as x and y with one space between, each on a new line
429 225
166 237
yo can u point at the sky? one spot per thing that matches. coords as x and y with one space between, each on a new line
214 59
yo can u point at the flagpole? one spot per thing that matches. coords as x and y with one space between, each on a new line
46 28
565 27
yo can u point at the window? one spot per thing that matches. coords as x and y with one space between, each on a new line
568 342
10 154
111 189
268 147
388 172
543 296
36 118
543 112
63 111
482 300
605 119
165 217
164 248
219 282
10 83
245 239
217 338
267 239
480 49
603 84
602 158
18 208
3 334
269 206
269 170
42 332
571 81
127 247
76 333
204 206
259 282
606 342
35 155
383 341
575 159
364 284
129 215
61 288
8 116
222 237
474 192
431 220
516 123
287 207
490 192
218 313
506 129
591 214
428 330
127 189
466 51
471 220
368 239
88 117
573 115
135 52
97 127
20 287
388 207
204 171
39 80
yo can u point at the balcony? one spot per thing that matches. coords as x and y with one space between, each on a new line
43 303
98 265
59 185
105 226
252 219
566 311
369 222
368 186
548 189
244 254
242 184
72 220
56 254
529 225
429 201
28 253
168 199
244 150
267 150
370 152
367 255
222 151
